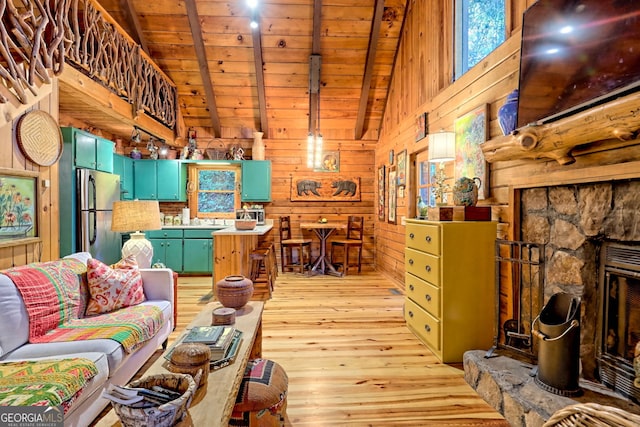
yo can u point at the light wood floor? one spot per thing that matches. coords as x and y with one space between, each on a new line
350 359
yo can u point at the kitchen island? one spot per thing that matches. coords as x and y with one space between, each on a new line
232 249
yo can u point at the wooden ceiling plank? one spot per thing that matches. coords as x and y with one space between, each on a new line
133 22
368 70
198 43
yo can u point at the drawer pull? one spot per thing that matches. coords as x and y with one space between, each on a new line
410 313
428 268
411 287
411 235
427 328
427 297
428 239
410 261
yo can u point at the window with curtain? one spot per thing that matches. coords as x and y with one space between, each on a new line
479 29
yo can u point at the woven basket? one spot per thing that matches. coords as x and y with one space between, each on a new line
245 224
592 415
165 415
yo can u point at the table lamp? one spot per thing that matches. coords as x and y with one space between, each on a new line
137 216
442 148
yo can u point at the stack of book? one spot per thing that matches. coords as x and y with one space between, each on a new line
218 338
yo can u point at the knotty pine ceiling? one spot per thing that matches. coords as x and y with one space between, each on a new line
357 41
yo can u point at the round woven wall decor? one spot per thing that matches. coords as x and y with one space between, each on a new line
39 137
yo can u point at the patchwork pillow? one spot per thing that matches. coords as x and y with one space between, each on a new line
113 287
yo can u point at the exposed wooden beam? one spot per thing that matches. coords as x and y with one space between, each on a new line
368 69
131 16
314 98
257 58
203 65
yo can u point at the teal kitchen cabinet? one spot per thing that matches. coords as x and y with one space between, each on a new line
89 151
164 180
123 166
198 251
167 247
256 181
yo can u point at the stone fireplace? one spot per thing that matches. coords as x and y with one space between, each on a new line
574 222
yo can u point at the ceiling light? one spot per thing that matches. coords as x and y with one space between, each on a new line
253 24
252 3
136 138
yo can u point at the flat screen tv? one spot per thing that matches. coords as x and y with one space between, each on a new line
576 54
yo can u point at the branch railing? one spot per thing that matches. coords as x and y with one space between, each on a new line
37 37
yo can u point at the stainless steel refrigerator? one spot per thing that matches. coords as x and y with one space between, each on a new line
95 193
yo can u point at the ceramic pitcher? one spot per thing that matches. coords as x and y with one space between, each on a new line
465 191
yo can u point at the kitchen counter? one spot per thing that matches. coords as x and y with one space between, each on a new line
232 249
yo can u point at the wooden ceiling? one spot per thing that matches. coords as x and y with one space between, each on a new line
232 80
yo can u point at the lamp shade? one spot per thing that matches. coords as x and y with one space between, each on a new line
442 147
137 216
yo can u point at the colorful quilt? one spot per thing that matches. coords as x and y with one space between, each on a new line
130 327
51 292
44 382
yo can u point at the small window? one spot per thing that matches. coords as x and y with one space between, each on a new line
424 177
479 29
214 190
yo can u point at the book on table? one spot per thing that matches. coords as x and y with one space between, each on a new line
204 334
220 347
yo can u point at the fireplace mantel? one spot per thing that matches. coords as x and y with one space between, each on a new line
617 120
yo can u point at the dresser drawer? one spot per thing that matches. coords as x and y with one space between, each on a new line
423 265
423 324
423 293
423 237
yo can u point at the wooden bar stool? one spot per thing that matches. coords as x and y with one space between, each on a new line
272 257
355 229
261 270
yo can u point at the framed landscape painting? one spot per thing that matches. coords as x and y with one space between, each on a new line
18 207
471 131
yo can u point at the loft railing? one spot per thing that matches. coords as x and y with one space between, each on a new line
37 37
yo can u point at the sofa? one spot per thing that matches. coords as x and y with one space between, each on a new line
114 362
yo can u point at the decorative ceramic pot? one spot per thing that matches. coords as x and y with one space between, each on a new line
234 291
257 151
465 191
135 154
508 112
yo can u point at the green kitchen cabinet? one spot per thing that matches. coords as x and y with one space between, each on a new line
89 151
167 247
123 166
164 180
198 251
256 181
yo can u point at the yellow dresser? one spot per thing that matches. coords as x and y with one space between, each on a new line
450 285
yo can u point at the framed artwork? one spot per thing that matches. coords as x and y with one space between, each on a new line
391 217
471 131
317 187
402 168
330 162
390 157
381 187
422 124
19 204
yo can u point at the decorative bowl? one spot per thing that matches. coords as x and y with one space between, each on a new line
245 224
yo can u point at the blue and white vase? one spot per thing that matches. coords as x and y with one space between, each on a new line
508 112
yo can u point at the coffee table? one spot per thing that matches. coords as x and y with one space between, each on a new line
212 405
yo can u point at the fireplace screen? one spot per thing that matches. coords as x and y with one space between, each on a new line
620 317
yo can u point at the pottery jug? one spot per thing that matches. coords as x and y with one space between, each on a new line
234 291
465 191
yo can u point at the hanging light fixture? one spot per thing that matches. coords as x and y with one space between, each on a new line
314 137
136 138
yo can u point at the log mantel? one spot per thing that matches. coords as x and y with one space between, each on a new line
615 120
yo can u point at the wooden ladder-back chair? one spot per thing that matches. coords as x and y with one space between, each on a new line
355 229
288 245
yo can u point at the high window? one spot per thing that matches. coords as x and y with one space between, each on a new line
479 29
